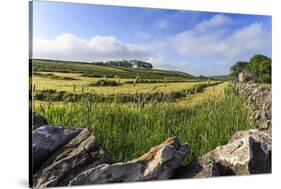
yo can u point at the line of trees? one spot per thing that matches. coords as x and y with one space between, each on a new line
259 65
126 63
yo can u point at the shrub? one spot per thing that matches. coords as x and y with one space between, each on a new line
103 82
264 78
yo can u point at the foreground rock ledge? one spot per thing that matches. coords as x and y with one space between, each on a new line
47 139
66 162
71 156
158 164
248 152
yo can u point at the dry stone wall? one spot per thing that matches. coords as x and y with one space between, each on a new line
258 103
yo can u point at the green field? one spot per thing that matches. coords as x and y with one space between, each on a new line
92 70
47 81
138 108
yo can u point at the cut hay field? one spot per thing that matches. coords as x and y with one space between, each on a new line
76 83
132 117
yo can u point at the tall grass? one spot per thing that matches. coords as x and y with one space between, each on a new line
130 132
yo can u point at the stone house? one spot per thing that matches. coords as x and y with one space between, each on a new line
246 75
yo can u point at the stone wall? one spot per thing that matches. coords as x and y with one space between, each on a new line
258 103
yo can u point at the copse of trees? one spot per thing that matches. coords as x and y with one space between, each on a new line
259 65
126 64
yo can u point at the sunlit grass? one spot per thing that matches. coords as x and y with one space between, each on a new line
210 93
82 83
128 131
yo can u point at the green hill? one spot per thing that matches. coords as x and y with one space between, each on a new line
94 70
221 77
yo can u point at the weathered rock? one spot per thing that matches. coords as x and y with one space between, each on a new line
264 136
201 168
260 135
244 156
159 163
38 121
74 157
248 152
47 139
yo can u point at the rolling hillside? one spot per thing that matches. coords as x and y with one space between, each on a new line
93 70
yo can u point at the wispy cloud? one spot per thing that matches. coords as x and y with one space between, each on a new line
213 40
161 24
143 35
213 23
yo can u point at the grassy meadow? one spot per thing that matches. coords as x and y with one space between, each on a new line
135 109
44 81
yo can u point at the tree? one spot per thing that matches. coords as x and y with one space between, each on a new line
238 67
260 65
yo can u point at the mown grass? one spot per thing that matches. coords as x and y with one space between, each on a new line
88 84
129 132
100 71
53 76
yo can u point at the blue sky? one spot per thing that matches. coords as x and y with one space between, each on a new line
195 42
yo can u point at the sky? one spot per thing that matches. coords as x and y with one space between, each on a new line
200 43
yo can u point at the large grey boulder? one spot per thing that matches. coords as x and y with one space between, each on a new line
47 139
159 163
76 156
264 136
244 156
38 121
248 152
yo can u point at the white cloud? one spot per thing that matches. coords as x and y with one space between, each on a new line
247 41
211 39
161 62
213 23
69 47
189 43
161 24
143 35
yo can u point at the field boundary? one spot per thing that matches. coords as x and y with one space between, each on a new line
141 98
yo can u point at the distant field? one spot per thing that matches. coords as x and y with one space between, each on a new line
79 82
108 71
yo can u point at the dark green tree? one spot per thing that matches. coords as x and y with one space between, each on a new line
260 65
238 67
